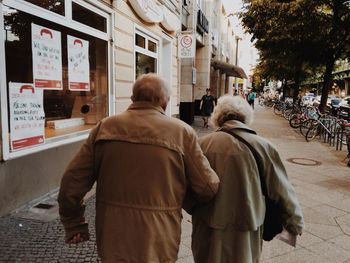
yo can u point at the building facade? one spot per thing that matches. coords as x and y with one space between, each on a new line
65 65
341 76
341 81
213 64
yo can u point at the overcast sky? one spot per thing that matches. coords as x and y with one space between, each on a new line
247 54
232 5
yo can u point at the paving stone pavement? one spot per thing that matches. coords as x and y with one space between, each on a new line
323 191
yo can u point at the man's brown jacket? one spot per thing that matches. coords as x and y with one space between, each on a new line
143 161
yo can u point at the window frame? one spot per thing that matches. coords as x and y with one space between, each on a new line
5 151
148 36
92 9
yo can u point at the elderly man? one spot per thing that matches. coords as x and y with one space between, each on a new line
143 162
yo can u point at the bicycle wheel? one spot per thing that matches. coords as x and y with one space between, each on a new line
304 126
277 109
312 133
294 121
268 103
287 113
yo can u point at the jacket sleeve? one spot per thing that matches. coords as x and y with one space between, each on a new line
203 183
281 190
77 180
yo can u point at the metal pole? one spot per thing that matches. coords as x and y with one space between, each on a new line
236 80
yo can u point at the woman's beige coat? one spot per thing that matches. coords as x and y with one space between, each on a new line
143 162
229 228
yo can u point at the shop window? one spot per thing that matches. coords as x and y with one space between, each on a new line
79 98
89 18
56 6
146 56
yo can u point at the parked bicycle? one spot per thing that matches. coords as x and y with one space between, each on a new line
312 124
345 138
305 113
326 126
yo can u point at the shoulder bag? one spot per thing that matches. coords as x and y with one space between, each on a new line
273 215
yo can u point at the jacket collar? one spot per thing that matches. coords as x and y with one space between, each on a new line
234 124
145 105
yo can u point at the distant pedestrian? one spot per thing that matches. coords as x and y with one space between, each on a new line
242 94
207 106
230 227
143 162
251 98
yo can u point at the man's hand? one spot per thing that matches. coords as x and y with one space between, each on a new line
77 238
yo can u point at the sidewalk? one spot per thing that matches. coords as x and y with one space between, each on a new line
323 191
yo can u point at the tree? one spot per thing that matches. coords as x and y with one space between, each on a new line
275 27
334 30
303 35
17 21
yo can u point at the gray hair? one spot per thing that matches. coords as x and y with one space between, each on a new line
232 108
150 87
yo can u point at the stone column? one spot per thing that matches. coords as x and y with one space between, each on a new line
186 85
203 69
214 78
186 91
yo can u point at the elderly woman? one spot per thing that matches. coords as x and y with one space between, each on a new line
230 228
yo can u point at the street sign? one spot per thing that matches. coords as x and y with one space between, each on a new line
187 45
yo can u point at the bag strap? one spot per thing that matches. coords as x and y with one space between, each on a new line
256 157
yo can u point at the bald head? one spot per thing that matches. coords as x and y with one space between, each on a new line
152 88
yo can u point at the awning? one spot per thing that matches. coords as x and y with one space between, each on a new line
228 69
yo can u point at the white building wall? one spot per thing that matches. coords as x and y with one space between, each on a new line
125 23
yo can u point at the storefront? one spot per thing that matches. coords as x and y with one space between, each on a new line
55 75
65 65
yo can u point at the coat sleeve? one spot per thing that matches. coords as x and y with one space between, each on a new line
203 183
281 190
77 180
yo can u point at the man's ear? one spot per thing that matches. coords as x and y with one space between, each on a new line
132 98
164 103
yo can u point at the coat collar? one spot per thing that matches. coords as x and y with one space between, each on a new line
234 124
145 105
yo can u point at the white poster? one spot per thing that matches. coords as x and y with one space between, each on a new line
47 58
187 46
27 116
78 64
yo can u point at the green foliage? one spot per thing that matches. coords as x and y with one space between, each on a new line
297 38
17 21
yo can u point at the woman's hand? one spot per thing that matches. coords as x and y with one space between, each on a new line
78 238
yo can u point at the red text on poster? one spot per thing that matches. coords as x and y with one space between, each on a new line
78 64
27 117
47 58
